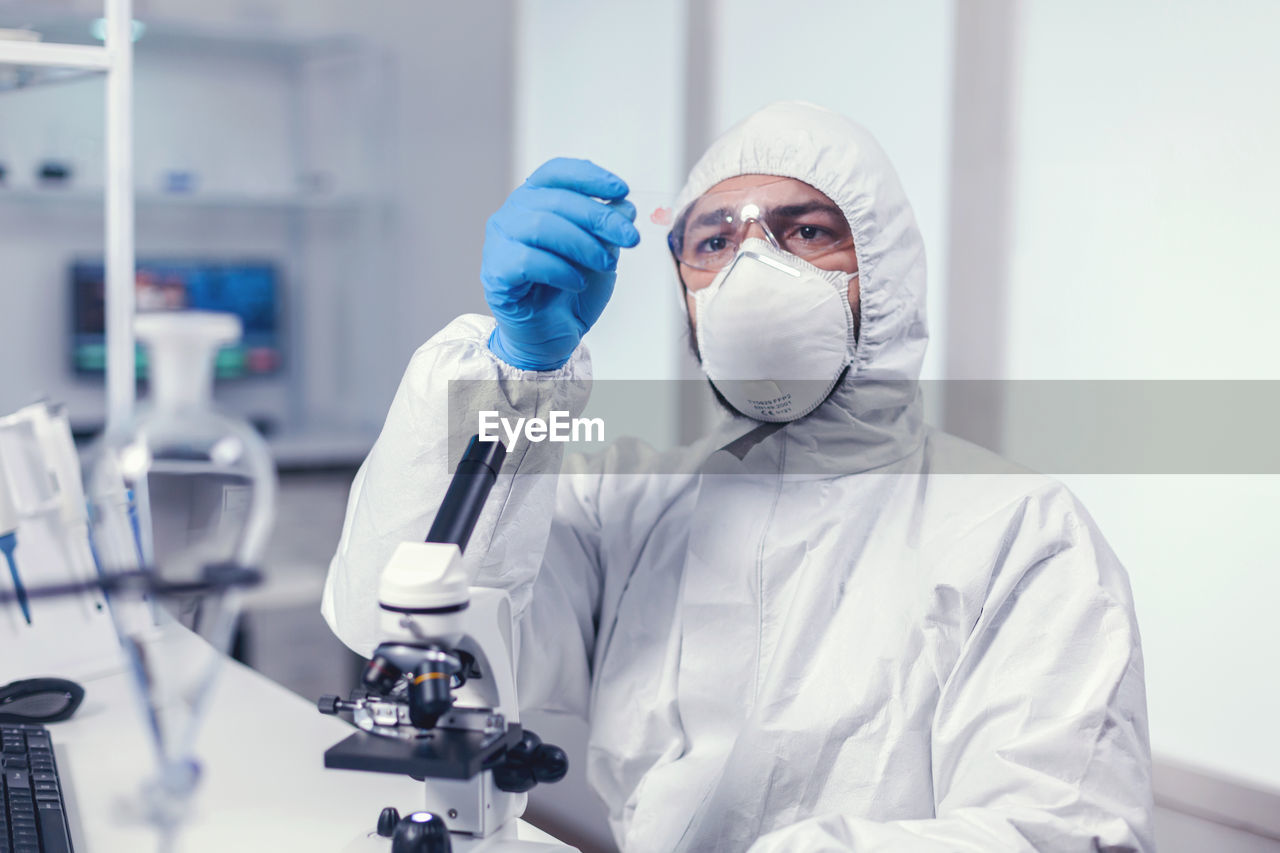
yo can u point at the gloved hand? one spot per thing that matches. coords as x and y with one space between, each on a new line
550 260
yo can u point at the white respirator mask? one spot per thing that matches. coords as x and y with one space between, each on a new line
775 332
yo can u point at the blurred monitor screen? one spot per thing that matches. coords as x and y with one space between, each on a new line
247 289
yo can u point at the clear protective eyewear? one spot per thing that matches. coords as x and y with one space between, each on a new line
791 216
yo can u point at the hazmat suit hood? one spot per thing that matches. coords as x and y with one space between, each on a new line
873 416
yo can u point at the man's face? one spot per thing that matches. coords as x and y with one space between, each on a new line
817 217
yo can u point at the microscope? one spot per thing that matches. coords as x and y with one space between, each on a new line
437 700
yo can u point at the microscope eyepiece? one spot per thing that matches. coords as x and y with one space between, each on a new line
463 502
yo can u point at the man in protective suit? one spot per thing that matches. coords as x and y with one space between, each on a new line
823 627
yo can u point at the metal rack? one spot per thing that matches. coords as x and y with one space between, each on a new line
115 59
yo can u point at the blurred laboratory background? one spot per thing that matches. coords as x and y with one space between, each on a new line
1096 183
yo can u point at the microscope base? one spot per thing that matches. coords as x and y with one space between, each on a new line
504 841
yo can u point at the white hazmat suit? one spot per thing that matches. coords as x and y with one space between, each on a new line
850 633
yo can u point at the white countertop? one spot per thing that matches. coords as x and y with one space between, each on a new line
264 784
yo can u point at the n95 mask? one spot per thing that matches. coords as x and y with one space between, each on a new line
775 332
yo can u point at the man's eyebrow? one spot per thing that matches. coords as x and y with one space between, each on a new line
793 210
713 217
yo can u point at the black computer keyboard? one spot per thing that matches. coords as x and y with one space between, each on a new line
33 818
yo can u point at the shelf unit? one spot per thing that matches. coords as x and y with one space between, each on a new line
114 59
314 410
247 201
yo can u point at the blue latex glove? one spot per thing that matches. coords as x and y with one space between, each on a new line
550 260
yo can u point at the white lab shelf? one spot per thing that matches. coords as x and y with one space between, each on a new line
320 207
172 33
258 201
115 59
55 55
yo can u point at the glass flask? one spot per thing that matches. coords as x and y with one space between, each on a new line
181 502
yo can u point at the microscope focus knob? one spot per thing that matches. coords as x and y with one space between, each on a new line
515 773
550 763
514 777
523 751
421 832
387 821
529 762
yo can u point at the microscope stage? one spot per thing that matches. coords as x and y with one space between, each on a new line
443 754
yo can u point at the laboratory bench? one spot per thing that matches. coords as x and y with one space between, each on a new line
263 786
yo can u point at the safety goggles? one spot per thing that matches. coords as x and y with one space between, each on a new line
790 215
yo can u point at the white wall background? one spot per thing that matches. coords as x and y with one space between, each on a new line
604 82
886 65
1144 247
